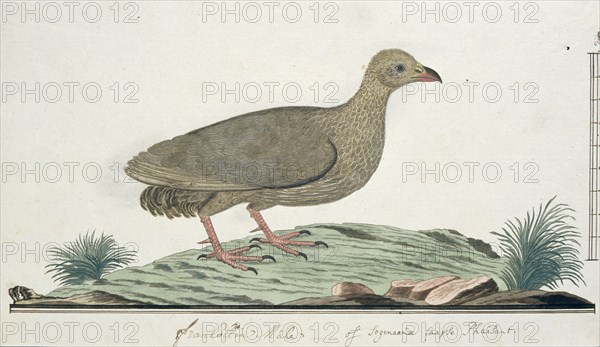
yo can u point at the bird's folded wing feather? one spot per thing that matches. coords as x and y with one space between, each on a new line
276 148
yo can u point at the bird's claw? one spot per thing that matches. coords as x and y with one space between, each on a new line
269 257
234 252
317 243
283 242
252 269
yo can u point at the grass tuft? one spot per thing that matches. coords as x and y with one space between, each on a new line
541 249
88 258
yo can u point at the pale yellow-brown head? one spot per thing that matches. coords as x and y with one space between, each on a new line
395 68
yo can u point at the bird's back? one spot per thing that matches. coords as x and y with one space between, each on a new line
246 152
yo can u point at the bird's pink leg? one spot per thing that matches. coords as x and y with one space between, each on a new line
229 257
282 242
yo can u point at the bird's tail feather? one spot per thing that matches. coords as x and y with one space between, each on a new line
169 202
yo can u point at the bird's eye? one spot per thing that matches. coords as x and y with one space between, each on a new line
400 68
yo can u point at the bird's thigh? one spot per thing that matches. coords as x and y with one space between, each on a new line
220 202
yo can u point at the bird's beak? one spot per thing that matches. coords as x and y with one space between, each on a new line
426 74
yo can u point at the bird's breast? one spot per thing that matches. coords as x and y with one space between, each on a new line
359 145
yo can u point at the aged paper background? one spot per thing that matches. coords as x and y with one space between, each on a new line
536 131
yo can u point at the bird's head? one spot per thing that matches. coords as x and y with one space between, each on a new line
395 68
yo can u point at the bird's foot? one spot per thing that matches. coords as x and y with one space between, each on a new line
236 255
282 242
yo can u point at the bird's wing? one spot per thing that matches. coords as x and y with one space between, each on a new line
275 148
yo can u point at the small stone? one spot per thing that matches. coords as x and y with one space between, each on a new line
350 288
462 290
423 288
401 288
20 293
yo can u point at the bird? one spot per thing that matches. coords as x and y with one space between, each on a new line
285 156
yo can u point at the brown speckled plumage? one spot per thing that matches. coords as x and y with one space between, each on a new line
290 156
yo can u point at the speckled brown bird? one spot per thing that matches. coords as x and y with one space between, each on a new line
287 156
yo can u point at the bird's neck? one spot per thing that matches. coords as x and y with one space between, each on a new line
371 97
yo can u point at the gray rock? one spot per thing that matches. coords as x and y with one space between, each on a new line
423 288
401 288
462 290
351 289
20 293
